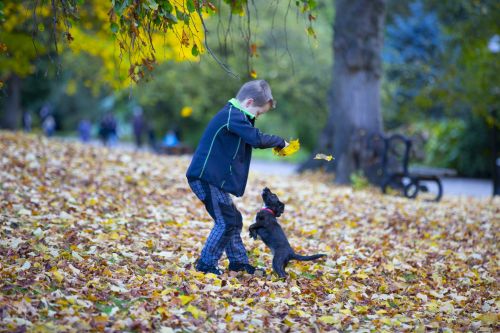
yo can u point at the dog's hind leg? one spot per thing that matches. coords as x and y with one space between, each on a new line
279 266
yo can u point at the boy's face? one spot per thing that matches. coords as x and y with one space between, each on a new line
257 110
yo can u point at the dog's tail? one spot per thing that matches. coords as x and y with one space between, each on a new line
307 258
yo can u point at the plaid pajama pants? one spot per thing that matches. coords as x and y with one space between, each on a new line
225 235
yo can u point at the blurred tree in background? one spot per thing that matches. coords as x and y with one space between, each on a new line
20 55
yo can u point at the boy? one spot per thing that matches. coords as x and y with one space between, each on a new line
220 166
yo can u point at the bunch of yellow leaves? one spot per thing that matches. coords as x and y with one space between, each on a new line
291 149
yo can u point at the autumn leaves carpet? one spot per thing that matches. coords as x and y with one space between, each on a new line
93 239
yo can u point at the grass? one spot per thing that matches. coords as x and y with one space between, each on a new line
267 155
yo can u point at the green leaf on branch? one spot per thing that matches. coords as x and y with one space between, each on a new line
114 27
120 7
190 6
152 4
195 51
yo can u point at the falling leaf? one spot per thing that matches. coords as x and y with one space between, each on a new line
323 157
253 74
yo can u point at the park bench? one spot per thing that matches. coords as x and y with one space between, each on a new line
398 175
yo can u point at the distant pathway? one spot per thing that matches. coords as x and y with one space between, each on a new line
479 188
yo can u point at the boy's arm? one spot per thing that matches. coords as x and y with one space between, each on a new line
239 125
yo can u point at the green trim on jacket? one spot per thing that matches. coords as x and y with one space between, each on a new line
238 105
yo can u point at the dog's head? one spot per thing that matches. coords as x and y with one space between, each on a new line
272 202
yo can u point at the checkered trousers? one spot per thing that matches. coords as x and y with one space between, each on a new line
225 235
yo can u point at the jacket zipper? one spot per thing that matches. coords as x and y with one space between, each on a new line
230 165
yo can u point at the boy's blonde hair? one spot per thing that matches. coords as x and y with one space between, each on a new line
258 90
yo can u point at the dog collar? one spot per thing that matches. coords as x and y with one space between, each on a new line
268 210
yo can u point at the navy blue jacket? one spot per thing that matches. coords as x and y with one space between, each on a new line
223 155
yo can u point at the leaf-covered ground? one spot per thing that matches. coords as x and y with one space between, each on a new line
105 240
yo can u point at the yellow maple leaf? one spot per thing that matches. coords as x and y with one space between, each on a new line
195 311
345 311
92 201
329 320
432 306
114 235
361 309
288 322
385 320
291 149
167 290
361 275
489 318
211 276
186 299
162 310
58 276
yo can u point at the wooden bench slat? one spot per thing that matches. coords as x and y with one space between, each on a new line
430 171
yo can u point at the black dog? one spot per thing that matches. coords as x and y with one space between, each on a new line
266 226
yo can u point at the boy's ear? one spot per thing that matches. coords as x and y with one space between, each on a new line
248 102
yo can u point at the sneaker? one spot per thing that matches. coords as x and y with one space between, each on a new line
202 267
237 267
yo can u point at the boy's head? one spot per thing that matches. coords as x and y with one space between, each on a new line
256 97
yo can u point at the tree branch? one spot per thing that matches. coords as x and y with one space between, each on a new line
205 30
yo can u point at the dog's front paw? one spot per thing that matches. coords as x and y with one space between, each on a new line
253 234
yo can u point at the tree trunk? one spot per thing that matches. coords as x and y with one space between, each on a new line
354 103
12 113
